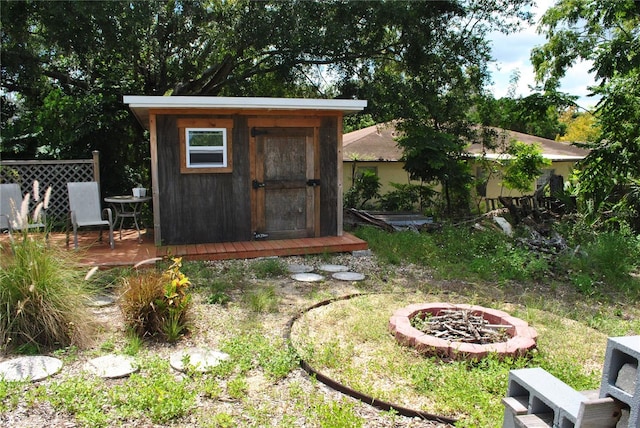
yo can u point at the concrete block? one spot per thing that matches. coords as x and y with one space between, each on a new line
546 395
621 377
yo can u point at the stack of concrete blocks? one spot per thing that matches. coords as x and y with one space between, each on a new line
536 398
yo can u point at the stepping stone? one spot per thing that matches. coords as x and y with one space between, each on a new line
199 359
101 301
333 268
111 366
33 368
307 277
348 276
293 268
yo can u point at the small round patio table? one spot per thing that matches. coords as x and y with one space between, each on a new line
126 206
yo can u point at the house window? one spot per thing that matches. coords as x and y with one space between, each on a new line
205 145
361 170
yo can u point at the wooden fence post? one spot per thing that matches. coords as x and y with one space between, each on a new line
96 166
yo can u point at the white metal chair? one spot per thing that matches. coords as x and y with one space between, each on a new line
85 209
11 217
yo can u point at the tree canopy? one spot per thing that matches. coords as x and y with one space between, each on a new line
608 35
66 65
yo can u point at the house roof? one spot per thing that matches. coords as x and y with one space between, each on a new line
378 143
375 143
141 104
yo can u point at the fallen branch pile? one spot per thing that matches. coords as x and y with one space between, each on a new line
460 326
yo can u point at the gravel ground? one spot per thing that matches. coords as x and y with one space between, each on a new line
213 323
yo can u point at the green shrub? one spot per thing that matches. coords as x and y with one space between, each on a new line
43 297
156 304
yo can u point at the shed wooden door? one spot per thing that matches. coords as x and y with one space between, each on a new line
285 190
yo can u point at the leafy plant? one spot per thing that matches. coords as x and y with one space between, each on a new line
157 303
407 197
365 187
43 297
525 165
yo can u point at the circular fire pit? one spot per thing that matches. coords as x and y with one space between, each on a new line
521 337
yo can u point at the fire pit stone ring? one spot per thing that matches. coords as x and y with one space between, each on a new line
522 336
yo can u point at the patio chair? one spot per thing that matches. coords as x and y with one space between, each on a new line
10 216
84 206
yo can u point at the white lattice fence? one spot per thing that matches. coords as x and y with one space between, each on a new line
51 173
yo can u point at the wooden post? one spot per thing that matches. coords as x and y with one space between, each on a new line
96 166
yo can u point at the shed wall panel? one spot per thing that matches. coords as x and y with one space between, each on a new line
199 208
329 176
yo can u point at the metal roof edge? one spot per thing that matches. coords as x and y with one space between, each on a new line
144 101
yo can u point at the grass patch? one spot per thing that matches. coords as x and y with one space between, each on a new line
596 264
263 299
368 358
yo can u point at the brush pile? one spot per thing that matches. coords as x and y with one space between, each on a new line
460 326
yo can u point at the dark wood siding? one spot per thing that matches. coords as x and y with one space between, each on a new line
200 208
329 176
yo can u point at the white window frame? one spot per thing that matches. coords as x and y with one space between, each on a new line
207 149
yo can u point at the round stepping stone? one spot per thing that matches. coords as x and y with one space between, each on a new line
348 276
333 268
199 359
101 301
111 366
293 268
307 277
31 368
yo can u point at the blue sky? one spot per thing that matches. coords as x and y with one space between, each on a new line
512 53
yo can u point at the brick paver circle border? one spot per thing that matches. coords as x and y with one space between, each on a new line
522 336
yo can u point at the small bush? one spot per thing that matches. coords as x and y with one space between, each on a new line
43 298
156 304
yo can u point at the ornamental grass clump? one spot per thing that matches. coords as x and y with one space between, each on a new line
43 298
156 304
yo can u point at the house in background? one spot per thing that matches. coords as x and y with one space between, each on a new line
244 169
375 149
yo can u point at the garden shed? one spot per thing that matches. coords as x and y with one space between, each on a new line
227 169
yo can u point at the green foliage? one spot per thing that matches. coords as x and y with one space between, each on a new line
604 261
263 299
407 197
333 414
68 88
154 393
156 303
43 297
536 114
605 33
365 188
252 350
524 167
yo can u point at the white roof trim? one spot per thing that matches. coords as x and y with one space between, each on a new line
142 101
140 104
505 156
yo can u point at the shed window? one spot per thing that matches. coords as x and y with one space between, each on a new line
206 147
